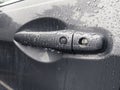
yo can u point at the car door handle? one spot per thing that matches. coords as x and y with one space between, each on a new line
67 41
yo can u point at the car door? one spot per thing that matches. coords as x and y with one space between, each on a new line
59 45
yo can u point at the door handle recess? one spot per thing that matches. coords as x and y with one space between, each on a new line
67 41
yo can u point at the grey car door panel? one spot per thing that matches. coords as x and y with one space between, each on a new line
59 45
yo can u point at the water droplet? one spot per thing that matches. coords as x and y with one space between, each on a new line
78 9
100 6
96 25
58 68
94 0
84 25
88 2
117 0
96 11
113 87
52 50
46 49
66 19
58 52
113 73
91 15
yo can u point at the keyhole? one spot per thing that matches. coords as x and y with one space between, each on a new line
83 41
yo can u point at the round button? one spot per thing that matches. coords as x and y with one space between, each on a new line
63 40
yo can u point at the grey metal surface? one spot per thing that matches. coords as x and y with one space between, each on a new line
22 73
79 14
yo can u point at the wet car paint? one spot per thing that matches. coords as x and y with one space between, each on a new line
23 73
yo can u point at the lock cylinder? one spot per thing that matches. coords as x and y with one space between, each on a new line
84 42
